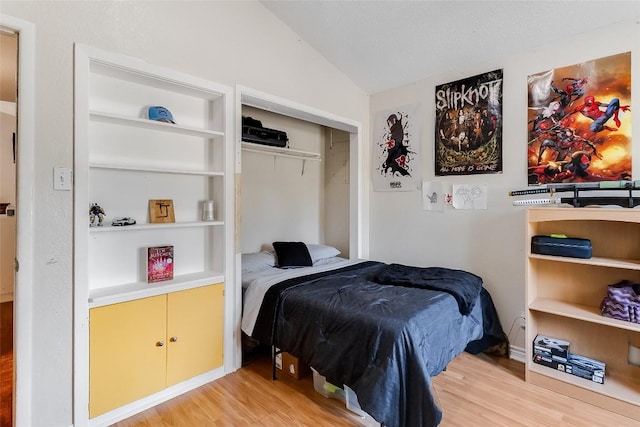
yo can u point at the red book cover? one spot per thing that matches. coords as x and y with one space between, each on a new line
159 263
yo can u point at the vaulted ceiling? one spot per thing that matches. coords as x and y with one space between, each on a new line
385 44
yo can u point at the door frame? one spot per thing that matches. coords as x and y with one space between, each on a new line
23 292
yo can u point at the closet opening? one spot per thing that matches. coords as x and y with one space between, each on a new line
307 191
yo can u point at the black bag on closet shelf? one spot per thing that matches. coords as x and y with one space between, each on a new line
253 131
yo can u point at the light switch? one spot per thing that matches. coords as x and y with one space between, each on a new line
62 179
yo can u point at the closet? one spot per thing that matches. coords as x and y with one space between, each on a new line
299 192
323 169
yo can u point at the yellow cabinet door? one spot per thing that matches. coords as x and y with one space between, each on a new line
127 351
194 332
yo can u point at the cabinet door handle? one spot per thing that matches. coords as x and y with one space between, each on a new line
160 344
173 339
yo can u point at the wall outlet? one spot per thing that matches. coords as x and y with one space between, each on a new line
523 320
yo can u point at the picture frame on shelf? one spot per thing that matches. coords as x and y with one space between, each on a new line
161 211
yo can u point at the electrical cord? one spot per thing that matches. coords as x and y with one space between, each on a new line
512 325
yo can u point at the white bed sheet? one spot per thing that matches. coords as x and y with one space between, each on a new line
257 284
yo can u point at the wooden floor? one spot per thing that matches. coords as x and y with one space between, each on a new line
473 391
6 363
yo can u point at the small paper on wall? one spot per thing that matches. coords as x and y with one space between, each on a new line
470 196
432 196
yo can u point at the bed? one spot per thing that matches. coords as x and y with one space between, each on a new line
381 329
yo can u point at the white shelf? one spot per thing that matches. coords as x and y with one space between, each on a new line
154 125
149 226
140 168
136 290
141 73
280 151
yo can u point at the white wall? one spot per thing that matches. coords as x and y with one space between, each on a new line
337 186
282 197
488 242
292 199
230 42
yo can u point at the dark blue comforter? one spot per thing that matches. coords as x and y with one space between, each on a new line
463 286
384 341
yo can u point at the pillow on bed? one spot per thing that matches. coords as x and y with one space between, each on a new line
319 252
292 254
256 261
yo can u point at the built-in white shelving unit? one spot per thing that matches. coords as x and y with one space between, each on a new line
123 160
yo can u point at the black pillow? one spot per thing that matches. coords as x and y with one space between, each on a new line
292 254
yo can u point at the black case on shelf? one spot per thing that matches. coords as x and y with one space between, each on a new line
253 131
561 246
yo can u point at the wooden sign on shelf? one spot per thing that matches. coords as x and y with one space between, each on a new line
161 211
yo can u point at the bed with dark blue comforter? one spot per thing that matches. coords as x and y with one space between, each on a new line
383 330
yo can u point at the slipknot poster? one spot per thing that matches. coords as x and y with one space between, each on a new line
469 126
396 150
579 122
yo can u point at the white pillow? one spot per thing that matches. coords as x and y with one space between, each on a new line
319 252
256 261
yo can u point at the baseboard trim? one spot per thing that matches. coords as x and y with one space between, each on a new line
517 353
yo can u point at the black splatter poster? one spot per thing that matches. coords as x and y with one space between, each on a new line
468 127
396 149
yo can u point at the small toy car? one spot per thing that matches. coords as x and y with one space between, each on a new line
118 222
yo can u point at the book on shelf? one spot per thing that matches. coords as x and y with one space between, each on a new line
159 263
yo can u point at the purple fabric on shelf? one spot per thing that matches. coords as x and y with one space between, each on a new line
622 301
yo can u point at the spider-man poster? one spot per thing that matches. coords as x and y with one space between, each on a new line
396 150
579 122
469 126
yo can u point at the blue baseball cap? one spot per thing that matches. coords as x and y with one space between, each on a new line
160 114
